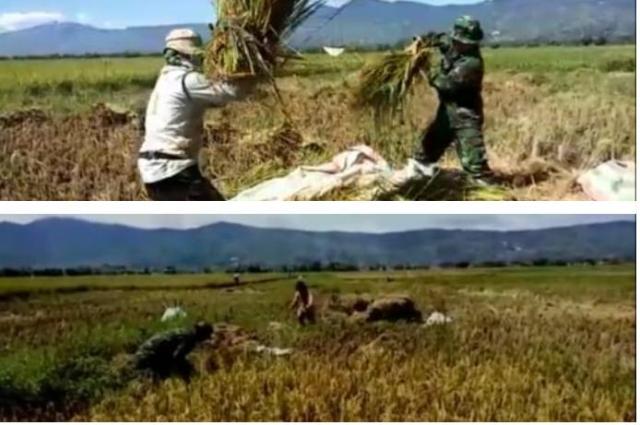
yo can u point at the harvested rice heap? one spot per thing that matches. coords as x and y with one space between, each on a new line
385 84
248 39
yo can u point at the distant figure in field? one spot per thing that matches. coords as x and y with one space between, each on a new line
165 354
303 302
236 279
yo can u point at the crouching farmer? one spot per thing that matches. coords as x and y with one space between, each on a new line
169 157
165 354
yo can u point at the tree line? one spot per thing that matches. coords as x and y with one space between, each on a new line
312 267
596 40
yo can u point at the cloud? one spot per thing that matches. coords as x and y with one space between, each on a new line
83 18
20 20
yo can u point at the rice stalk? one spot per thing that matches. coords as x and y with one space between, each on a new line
248 39
385 84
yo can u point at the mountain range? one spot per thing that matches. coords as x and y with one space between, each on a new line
61 242
361 23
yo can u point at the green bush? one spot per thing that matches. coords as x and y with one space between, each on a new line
77 372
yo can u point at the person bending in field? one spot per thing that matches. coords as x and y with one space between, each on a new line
458 80
303 303
165 354
169 157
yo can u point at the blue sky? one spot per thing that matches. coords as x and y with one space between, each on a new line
354 223
18 14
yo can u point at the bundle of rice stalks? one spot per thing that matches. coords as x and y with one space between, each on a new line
349 303
248 38
385 84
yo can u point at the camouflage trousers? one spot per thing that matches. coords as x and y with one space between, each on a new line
468 139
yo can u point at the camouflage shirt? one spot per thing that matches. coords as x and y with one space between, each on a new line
166 347
459 82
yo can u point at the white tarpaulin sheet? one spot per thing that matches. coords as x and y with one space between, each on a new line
360 168
173 313
333 51
611 181
274 351
437 318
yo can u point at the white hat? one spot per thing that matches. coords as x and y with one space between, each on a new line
185 41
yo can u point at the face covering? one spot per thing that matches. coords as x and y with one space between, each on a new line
176 59
171 57
197 61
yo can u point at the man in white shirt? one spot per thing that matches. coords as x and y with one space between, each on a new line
169 157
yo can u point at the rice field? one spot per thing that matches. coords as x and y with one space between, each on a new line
41 83
525 344
25 287
551 113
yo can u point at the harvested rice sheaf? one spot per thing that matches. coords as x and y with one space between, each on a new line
385 84
248 39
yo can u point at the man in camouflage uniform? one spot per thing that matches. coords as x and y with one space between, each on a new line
166 353
460 117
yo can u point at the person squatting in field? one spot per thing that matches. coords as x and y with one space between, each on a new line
169 162
165 354
303 303
460 116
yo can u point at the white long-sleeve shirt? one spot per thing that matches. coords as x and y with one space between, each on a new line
174 119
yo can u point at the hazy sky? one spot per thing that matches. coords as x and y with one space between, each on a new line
18 14
365 223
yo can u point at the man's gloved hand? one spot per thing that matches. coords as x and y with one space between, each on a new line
433 38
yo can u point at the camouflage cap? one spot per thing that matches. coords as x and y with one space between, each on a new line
467 30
